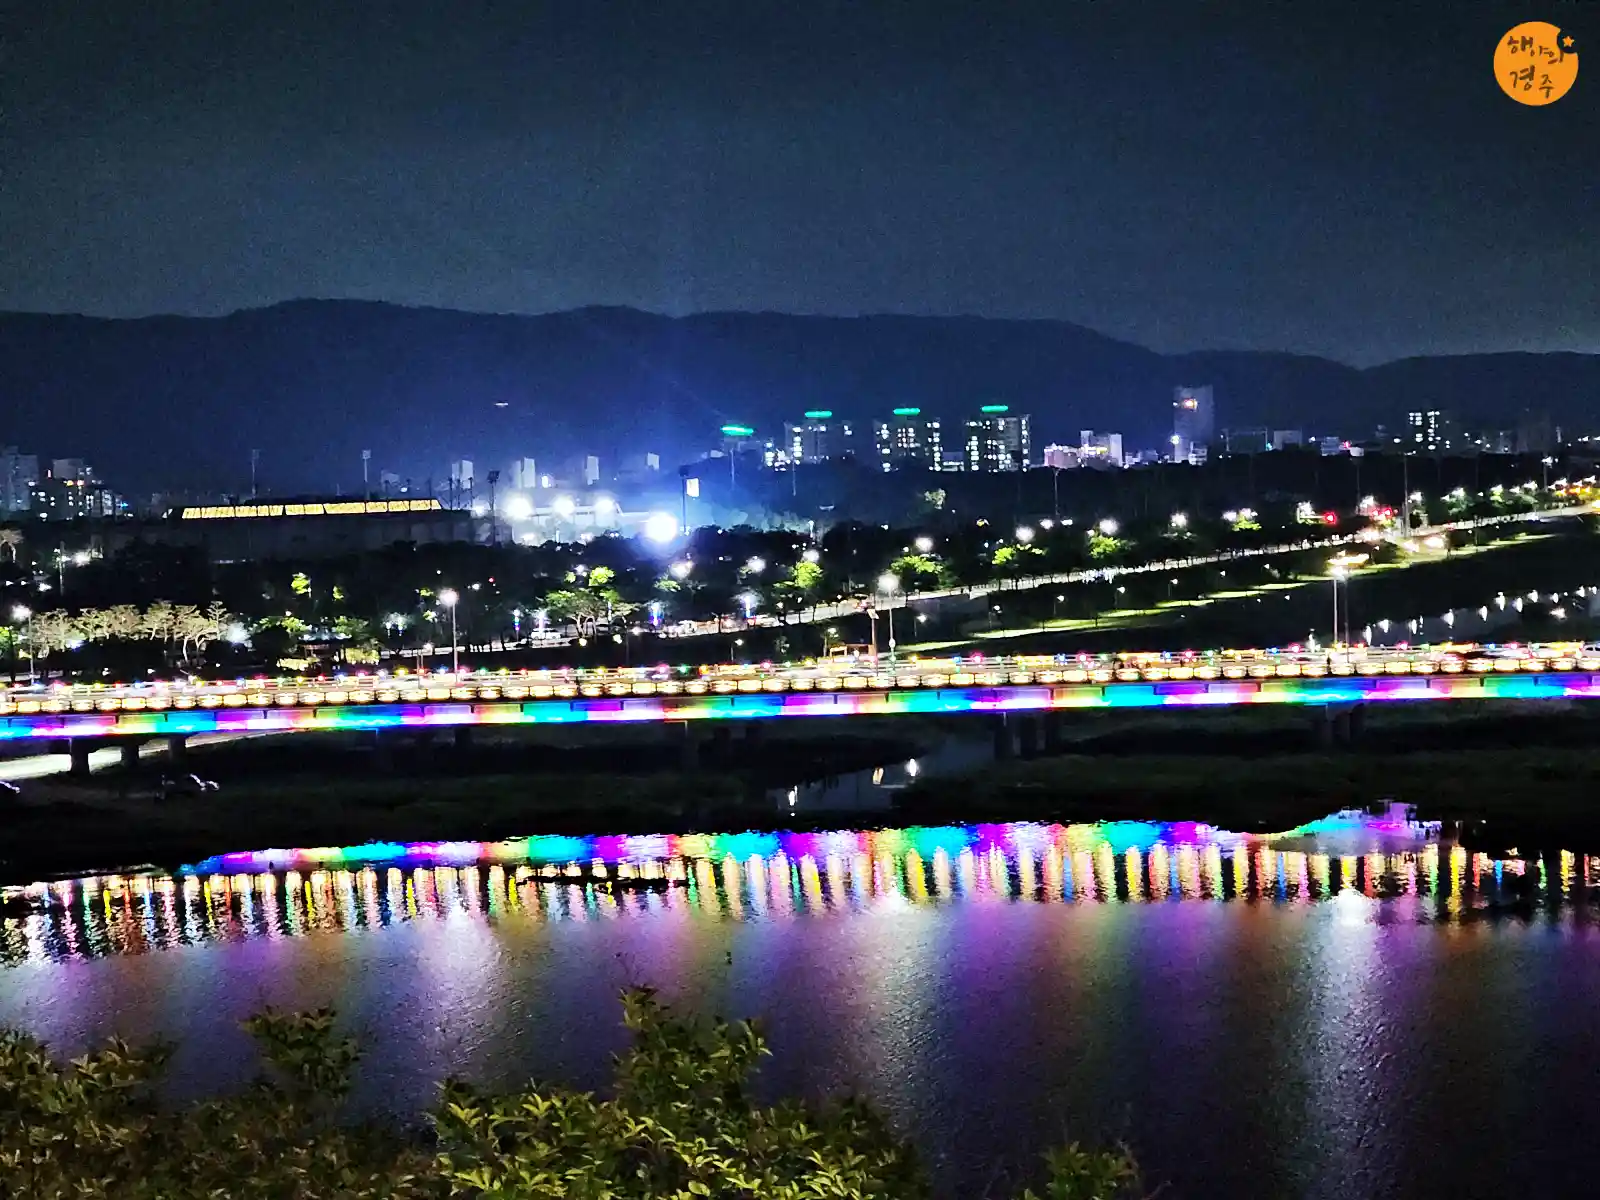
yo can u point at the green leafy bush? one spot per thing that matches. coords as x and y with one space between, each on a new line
678 1125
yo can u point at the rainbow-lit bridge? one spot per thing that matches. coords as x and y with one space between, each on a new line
1337 683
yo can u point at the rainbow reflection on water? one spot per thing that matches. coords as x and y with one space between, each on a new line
982 839
755 876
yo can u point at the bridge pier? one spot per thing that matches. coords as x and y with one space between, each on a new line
682 735
1322 727
178 748
1341 728
78 749
382 748
1338 725
1028 737
754 735
463 738
1004 747
1348 724
128 753
1054 743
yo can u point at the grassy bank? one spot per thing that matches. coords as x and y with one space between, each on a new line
1258 770
1259 794
1281 609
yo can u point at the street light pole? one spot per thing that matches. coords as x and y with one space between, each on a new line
25 615
1334 637
450 598
888 584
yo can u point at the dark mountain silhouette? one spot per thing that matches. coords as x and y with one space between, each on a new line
180 402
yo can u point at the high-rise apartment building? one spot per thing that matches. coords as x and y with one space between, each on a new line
19 473
909 439
1246 441
1537 434
997 440
1194 420
69 489
1431 430
1100 449
524 474
818 438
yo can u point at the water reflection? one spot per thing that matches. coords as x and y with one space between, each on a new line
776 877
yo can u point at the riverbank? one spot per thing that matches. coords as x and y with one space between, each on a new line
1269 794
1521 768
294 791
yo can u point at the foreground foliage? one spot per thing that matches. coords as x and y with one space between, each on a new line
679 1124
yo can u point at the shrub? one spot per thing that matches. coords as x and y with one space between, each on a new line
678 1125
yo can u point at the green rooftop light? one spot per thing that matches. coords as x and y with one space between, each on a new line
737 431
819 414
993 408
907 412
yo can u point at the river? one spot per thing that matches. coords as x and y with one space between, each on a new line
1340 1011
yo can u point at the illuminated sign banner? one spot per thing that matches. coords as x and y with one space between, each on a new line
333 508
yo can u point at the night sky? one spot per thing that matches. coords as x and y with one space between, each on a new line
1335 178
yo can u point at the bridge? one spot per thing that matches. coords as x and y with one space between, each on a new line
1013 690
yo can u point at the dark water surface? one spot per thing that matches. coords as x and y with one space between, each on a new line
1352 1010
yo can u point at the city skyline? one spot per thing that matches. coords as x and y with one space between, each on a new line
310 389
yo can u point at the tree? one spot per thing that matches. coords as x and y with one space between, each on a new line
916 571
580 606
155 622
10 541
1016 560
52 630
1103 546
122 621
94 624
359 645
680 1123
802 585
195 630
